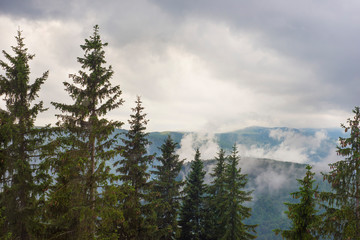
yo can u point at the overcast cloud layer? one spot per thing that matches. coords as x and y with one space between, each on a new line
203 65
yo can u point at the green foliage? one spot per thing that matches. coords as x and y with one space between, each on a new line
192 208
23 176
235 212
342 204
167 190
85 146
7 235
303 214
112 214
216 195
133 172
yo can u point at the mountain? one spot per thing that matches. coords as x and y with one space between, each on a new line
311 143
273 158
271 180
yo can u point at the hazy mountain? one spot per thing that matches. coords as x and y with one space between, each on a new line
283 144
273 158
271 180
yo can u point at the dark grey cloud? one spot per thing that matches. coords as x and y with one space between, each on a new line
39 9
324 34
279 62
19 8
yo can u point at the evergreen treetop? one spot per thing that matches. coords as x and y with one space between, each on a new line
86 142
24 177
167 190
235 212
216 195
132 169
192 209
341 219
303 214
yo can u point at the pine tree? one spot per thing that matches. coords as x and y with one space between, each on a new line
216 194
5 139
192 208
342 204
233 204
23 176
86 139
134 175
167 189
303 214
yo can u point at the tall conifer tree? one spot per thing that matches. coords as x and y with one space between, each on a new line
167 190
134 175
303 214
233 204
342 204
22 181
192 208
86 142
216 195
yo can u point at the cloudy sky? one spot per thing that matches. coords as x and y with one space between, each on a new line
203 65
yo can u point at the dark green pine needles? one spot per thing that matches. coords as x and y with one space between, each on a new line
303 215
192 209
23 177
132 167
235 212
215 196
167 190
342 217
86 140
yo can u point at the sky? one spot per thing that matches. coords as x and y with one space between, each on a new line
211 66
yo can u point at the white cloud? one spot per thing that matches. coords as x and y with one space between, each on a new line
293 146
271 181
201 65
206 142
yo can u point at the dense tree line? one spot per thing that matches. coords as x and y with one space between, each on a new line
56 182
333 214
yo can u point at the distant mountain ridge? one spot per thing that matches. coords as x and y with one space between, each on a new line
272 181
269 156
263 138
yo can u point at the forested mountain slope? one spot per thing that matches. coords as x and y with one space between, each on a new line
272 181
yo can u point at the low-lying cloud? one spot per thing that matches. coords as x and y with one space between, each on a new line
316 148
205 142
293 147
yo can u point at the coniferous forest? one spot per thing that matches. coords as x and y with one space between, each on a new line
82 179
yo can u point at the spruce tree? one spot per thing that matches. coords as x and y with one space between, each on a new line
303 214
86 140
192 208
133 172
342 204
167 190
216 194
235 212
23 176
5 138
